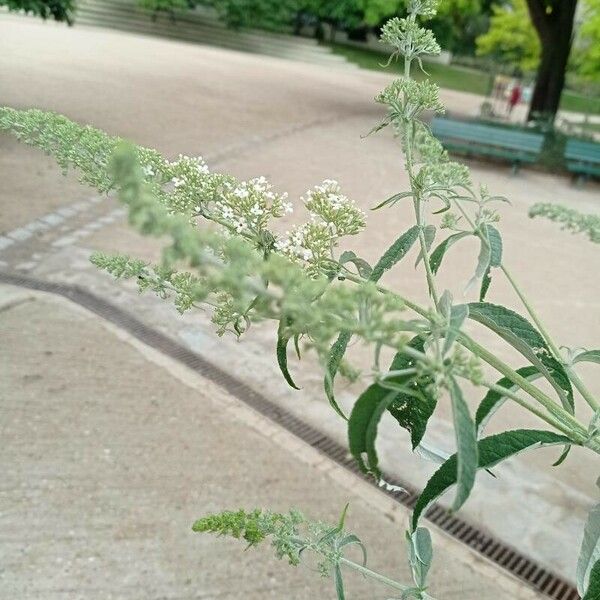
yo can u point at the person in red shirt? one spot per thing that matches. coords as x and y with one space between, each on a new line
515 96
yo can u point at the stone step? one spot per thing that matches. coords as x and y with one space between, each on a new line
203 27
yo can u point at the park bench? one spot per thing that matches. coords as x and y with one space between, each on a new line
582 159
474 139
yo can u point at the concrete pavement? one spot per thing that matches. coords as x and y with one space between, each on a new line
110 451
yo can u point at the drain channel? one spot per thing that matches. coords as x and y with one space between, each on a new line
506 557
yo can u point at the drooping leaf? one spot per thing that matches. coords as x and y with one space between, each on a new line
362 266
412 413
466 444
590 549
350 539
491 451
429 232
282 342
494 239
493 400
483 262
336 353
393 199
436 257
588 356
593 590
521 335
363 423
395 253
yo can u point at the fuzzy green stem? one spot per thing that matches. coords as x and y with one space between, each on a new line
378 577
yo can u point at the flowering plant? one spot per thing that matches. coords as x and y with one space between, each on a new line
246 270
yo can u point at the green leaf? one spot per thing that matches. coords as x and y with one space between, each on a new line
466 444
429 235
494 240
590 549
491 451
593 590
455 316
336 353
588 356
493 400
412 413
351 538
363 423
362 266
521 335
420 554
282 342
436 257
339 582
393 199
395 253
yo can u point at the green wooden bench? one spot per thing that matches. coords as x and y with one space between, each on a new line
583 159
474 139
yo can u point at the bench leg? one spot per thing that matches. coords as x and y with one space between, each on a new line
515 167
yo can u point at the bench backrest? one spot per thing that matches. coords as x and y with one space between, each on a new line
487 135
579 150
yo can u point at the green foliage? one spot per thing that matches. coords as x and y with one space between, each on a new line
511 38
587 50
570 219
589 554
494 398
59 10
492 450
593 590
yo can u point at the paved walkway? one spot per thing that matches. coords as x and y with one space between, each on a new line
110 452
296 124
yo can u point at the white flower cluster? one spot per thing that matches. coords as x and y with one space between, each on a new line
191 183
327 203
333 216
247 206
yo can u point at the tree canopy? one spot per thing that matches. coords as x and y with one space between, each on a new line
59 10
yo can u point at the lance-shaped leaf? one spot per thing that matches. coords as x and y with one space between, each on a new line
412 411
420 554
588 356
282 342
466 445
493 400
393 199
492 450
436 257
429 235
593 590
392 256
455 317
494 239
521 335
589 554
362 266
336 354
363 423
395 253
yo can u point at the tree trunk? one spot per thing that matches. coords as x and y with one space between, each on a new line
555 30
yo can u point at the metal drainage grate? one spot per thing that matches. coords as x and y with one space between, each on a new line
506 557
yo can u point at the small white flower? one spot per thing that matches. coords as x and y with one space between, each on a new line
241 193
307 254
256 209
287 207
177 182
148 170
